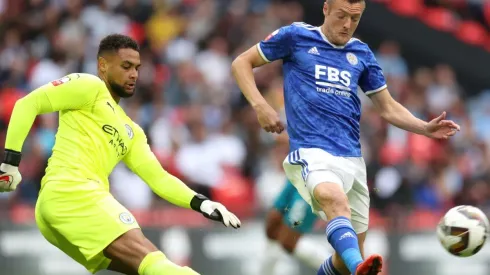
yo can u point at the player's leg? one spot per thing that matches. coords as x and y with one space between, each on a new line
299 220
273 250
274 222
323 181
120 267
358 198
327 189
132 253
90 225
359 203
129 250
334 265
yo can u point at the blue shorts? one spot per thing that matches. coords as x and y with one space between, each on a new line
296 212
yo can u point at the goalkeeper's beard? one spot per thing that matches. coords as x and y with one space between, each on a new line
119 90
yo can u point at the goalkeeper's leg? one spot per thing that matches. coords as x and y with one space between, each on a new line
134 254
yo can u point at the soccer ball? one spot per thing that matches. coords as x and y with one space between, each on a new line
463 230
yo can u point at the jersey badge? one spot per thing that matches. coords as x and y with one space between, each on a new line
60 81
271 35
352 58
130 131
126 218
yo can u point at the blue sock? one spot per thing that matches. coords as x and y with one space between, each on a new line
327 268
343 239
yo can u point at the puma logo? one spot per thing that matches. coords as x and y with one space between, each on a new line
111 106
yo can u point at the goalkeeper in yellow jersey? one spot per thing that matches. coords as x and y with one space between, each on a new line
75 211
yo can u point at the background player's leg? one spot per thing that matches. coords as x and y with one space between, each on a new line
134 252
304 249
327 189
299 220
274 222
273 250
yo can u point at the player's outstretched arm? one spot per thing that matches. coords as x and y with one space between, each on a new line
74 91
397 115
141 160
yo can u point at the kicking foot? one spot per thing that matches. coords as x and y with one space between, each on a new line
371 266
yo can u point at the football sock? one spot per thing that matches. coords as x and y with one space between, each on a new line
309 252
343 238
327 268
156 263
270 258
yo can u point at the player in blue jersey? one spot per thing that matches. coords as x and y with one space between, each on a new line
323 68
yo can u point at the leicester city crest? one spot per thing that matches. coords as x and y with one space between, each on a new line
352 58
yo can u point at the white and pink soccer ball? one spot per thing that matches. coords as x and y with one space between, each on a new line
463 230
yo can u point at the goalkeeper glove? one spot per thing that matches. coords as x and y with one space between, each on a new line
214 211
9 171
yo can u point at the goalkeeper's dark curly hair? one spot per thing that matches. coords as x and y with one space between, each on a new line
115 42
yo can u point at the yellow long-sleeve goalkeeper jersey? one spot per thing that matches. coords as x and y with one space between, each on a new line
94 134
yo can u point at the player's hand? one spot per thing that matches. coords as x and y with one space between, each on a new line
214 211
9 171
439 128
269 119
9 177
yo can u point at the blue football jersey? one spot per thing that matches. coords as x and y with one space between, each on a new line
321 81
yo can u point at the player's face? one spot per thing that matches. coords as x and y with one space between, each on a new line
123 72
341 20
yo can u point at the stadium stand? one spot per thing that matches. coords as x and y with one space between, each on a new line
188 104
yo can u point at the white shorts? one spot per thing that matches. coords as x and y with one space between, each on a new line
308 167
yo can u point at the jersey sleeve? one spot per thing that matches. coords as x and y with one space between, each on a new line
278 45
372 79
74 91
141 160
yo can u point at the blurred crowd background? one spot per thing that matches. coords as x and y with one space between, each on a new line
201 127
478 10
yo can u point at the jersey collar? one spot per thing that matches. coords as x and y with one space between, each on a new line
319 29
